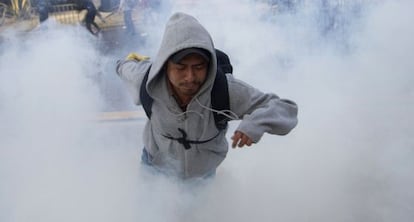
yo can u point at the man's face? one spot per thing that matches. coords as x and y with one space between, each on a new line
188 75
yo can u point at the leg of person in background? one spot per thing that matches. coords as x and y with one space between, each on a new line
43 14
90 20
129 23
98 29
90 17
42 9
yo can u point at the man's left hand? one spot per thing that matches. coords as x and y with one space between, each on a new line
240 139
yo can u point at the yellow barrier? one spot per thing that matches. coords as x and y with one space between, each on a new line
122 115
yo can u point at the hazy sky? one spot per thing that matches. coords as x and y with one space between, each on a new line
349 159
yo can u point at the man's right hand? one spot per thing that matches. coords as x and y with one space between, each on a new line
136 56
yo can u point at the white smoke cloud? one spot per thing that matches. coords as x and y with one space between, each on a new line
349 159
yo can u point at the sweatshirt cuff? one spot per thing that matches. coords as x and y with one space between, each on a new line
251 130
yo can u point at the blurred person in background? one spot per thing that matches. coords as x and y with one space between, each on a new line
127 7
91 13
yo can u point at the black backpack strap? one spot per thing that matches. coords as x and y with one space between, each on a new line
146 99
223 62
220 99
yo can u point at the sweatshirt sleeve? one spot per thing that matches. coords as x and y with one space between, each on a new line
132 73
261 112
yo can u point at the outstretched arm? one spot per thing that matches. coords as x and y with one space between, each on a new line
260 112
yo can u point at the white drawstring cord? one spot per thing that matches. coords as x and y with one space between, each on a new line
190 111
228 113
231 115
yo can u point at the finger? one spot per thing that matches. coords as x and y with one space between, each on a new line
242 142
249 142
235 142
245 140
236 138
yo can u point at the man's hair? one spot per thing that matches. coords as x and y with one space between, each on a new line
178 56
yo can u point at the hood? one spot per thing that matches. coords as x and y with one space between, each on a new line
182 31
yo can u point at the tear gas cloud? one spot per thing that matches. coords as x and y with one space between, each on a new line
349 159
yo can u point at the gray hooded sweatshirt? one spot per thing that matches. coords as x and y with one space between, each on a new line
259 112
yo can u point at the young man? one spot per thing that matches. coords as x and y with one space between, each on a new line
181 137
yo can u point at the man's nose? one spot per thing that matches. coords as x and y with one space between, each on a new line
190 74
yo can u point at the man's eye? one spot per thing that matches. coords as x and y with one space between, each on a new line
180 67
200 67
